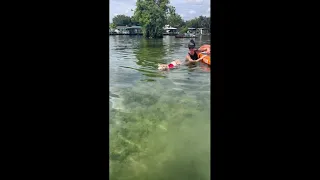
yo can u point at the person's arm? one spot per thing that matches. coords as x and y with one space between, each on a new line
188 59
200 58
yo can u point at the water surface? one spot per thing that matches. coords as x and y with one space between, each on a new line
159 121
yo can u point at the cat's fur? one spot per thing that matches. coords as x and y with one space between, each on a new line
163 67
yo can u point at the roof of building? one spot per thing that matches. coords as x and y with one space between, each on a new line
134 27
121 27
171 28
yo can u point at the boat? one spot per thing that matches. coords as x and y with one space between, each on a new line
186 36
113 33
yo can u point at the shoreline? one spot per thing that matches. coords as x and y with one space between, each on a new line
163 34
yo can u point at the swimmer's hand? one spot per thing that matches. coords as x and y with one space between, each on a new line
200 58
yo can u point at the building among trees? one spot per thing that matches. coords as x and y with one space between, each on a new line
203 31
127 30
134 30
192 30
168 30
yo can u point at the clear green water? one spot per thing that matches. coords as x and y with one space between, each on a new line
159 121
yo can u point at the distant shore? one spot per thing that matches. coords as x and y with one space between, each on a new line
140 34
135 34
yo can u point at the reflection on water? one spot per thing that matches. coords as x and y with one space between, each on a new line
159 121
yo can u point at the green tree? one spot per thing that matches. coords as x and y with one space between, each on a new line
151 15
174 19
199 22
134 22
121 20
193 23
184 29
112 25
204 22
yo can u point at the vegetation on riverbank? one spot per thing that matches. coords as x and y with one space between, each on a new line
153 15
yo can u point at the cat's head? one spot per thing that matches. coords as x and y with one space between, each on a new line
178 62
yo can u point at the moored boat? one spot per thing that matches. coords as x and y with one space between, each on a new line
186 36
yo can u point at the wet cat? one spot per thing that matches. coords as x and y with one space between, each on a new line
173 64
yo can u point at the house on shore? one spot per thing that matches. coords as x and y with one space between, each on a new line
203 31
134 30
192 30
168 30
112 31
128 30
121 30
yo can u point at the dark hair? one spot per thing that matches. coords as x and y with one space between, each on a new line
191 44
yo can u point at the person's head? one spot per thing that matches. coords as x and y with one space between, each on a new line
191 46
191 50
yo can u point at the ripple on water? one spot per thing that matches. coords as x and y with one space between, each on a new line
154 114
135 59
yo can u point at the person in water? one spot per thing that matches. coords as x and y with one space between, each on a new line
192 56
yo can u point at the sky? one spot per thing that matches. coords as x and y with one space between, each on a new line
187 9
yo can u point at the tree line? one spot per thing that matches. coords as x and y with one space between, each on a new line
152 15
